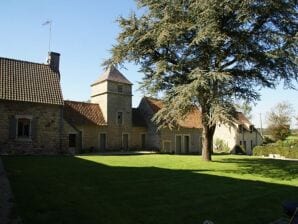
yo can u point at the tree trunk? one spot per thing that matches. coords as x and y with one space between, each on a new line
207 150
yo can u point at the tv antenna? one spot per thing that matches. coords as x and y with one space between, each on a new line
49 23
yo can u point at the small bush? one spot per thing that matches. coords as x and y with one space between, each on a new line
267 140
221 146
239 150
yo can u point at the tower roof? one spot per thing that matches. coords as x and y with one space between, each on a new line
112 74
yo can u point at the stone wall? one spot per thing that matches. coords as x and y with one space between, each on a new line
232 136
169 137
153 135
136 139
46 129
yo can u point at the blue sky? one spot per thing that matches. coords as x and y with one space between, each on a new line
83 32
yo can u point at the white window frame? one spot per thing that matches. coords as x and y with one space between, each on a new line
30 118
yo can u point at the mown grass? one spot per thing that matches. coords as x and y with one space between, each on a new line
150 189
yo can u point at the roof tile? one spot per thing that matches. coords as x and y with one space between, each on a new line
112 74
80 113
192 119
29 82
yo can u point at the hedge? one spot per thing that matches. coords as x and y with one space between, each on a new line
289 151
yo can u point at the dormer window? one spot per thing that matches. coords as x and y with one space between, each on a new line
240 128
120 88
251 128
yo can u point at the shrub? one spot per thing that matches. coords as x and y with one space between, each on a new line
288 151
221 146
267 139
279 132
239 150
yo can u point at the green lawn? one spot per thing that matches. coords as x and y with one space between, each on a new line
150 189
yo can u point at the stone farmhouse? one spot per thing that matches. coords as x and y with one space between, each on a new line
36 120
242 133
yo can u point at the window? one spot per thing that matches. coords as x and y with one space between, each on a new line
120 118
251 128
120 88
72 140
240 128
23 128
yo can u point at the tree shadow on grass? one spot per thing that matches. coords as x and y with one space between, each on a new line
74 190
272 168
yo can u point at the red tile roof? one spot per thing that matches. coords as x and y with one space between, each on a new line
80 113
192 119
112 74
29 82
241 119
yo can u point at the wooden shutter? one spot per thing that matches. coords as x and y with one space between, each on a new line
12 128
34 128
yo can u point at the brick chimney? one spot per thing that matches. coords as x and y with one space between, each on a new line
54 60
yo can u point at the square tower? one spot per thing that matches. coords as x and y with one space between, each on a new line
113 92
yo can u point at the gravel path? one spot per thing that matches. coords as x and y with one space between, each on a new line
7 210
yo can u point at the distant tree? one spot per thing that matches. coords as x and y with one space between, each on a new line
207 53
279 120
245 108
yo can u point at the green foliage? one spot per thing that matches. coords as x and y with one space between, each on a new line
238 149
267 139
288 149
221 146
245 108
279 120
279 132
207 53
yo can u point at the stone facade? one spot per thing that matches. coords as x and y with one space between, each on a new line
179 141
36 120
45 128
237 135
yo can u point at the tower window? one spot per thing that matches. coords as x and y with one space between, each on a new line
120 89
119 118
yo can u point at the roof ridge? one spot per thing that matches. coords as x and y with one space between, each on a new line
24 61
152 98
82 102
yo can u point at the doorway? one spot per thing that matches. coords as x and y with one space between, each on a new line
186 143
125 142
102 141
178 149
